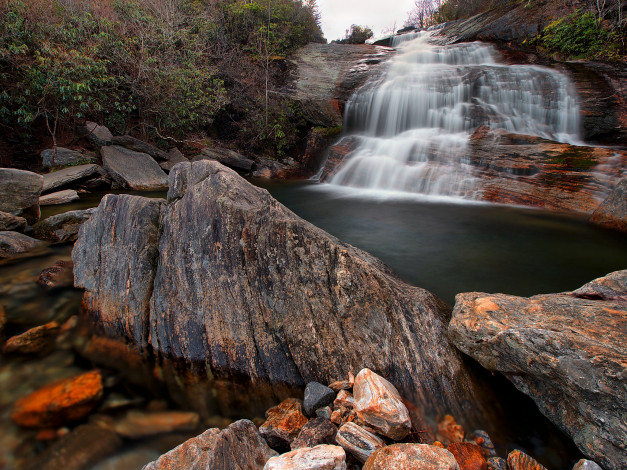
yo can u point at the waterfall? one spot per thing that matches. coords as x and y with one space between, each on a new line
413 126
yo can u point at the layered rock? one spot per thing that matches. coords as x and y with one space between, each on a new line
71 176
566 351
359 442
63 157
60 197
133 170
238 446
411 457
612 213
62 227
12 223
137 145
19 193
322 457
231 266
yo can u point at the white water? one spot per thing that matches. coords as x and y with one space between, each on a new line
413 127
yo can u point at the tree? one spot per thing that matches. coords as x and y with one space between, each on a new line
357 35
423 13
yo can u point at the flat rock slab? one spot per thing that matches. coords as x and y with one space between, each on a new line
63 227
19 193
60 197
238 446
137 145
567 351
226 157
14 243
133 170
69 176
10 222
63 157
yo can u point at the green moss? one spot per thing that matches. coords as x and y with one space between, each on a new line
576 159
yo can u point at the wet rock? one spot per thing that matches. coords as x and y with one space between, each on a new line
60 402
564 350
137 145
14 243
19 193
378 404
133 170
497 463
61 197
57 276
517 460
322 457
12 223
584 464
357 441
317 396
64 157
411 457
315 432
74 175
483 440
238 446
344 399
96 133
283 423
226 157
34 341
449 431
62 228
612 213
138 424
79 450
469 456
225 250
173 157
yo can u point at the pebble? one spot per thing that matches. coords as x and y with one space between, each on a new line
324 412
497 463
359 442
482 439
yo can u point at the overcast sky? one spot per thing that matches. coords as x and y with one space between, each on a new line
339 15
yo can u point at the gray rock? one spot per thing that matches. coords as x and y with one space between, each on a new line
316 396
238 446
14 243
137 145
70 176
483 440
316 431
497 463
174 156
10 222
566 351
98 257
63 227
584 464
226 157
357 441
322 457
612 212
96 133
133 170
19 193
64 157
61 197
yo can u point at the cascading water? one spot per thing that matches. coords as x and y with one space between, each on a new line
413 126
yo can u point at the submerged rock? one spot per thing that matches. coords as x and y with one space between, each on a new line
359 442
14 243
411 457
63 227
322 457
449 431
566 351
19 193
216 279
238 446
133 170
612 213
57 276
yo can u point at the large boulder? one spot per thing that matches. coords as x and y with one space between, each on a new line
228 277
71 176
63 157
133 170
567 351
612 212
226 157
238 446
137 145
19 193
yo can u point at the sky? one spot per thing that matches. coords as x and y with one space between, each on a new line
339 15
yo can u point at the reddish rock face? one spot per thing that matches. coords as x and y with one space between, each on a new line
469 456
59 403
284 423
411 457
378 404
517 460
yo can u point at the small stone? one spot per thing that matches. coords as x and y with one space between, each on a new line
140 424
60 402
497 463
336 417
344 399
469 456
411 457
449 431
98 134
283 423
517 460
378 404
322 457
584 464
359 442
13 223
315 432
34 341
324 412
340 385
57 276
317 396
482 439
60 197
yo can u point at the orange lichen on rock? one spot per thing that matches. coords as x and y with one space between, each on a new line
60 402
469 456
